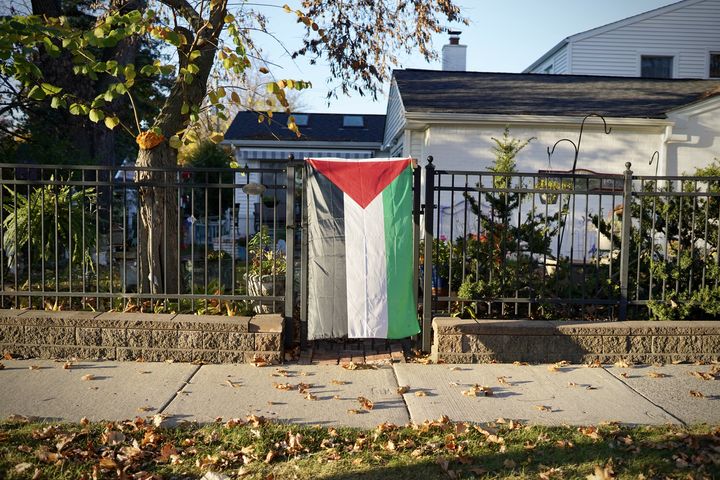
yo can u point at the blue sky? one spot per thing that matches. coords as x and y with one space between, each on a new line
503 36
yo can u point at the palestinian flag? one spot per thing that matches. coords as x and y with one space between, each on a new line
360 265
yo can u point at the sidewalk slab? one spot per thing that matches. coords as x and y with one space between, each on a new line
669 387
572 395
118 390
232 391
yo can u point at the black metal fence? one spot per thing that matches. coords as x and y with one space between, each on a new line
72 237
496 245
564 245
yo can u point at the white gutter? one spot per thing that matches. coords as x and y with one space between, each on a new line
303 145
417 120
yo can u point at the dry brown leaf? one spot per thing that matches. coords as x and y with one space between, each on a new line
233 384
591 432
454 368
88 376
284 386
476 390
594 364
7 356
21 467
113 437
503 381
145 409
695 393
336 397
624 374
310 396
68 365
550 473
572 384
602 473
657 375
353 411
2 367
365 403
260 361
279 372
403 389
358 366
107 464
519 364
623 364
703 375
34 367
543 408
339 382
420 393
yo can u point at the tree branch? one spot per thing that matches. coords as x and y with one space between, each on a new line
186 11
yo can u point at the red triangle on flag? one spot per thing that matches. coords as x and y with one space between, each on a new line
361 181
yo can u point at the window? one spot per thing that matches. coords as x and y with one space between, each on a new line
353 121
548 69
301 119
714 65
656 66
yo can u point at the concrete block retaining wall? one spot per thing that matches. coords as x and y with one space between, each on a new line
471 341
132 336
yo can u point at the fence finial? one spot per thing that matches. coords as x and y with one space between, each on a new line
430 159
628 165
291 157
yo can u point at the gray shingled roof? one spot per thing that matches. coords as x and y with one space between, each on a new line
541 94
321 127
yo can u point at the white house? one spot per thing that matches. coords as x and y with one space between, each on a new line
681 40
452 116
259 144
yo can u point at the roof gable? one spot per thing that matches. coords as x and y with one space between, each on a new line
434 91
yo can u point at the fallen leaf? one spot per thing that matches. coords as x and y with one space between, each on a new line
68 365
543 408
420 393
602 473
336 397
7 356
403 389
88 376
145 409
365 403
503 381
233 384
107 464
84 421
280 373
34 367
657 375
2 367
624 374
519 364
358 366
454 369
260 361
572 384
623 364
353 411
703 375
594 364
509 463
310 396
21 467
591 432
284 386
339 382
695 393
477 389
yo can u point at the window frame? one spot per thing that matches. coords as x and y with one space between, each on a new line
673 64
712 53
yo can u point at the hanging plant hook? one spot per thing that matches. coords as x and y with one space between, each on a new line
576 146
655 156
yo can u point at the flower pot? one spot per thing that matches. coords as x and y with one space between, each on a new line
264 286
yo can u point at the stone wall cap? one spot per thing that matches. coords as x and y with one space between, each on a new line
266 323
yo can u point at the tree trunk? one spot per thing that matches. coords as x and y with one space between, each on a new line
158 266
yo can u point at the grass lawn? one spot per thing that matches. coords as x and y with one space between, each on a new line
255 449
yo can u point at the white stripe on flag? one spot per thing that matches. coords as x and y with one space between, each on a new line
366 269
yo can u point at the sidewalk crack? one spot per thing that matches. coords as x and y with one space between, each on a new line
397 383
619 378
185 382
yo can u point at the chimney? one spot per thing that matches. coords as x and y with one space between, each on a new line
454 54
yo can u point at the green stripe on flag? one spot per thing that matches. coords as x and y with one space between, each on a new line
397 205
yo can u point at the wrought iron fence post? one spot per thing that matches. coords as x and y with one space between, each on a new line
289 244
625 242
417 172
428 254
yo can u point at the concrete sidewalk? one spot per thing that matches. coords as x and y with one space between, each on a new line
327 395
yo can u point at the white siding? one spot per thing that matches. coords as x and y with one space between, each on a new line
395 116
470 148
687 33
558 61
701 143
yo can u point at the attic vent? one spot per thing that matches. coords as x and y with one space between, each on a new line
353 121
301 119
